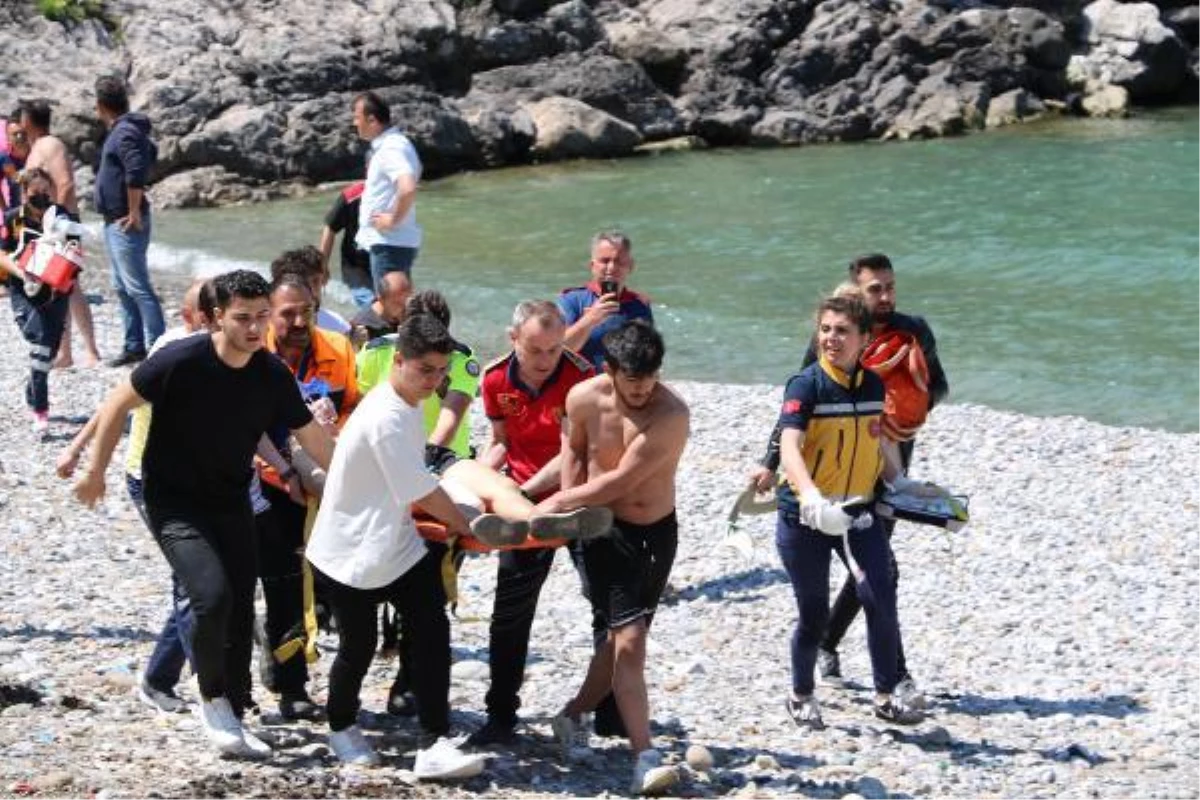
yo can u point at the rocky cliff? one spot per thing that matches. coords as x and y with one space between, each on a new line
256 93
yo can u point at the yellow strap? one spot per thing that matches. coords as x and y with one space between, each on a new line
309 641
450 574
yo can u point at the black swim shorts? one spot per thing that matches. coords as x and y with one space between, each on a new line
628 569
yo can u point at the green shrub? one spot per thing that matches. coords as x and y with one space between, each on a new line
71 10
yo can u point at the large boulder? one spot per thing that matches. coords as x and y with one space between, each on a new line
1129 46
568 128
620 88
941 108
1014 106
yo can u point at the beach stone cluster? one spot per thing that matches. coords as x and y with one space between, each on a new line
251 98
1055 636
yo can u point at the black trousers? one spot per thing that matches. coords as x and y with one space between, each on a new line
519 579
213 553
279 566
419 596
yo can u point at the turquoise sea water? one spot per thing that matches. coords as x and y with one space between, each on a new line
1057 262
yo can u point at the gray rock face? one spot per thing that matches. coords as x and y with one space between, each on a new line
261 89
1129 46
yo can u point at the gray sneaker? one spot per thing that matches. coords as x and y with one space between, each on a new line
496 531
910 694
167 702
805 712
581 524
829 667
572 735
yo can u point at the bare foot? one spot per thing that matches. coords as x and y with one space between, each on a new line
91 360
63 361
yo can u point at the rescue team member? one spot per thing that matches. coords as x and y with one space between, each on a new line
214 396
833 454
875 279
525 397
626 434
605 302
365 547
322 363
39 311
342 218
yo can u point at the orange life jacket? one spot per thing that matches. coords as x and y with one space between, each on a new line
897 358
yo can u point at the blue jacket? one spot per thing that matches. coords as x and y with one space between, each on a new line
126 159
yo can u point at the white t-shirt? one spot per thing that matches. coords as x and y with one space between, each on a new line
392 155
364 535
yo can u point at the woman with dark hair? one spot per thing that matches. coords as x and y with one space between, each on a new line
40 311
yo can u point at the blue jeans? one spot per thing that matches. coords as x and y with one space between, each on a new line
805 554
387 258
140 308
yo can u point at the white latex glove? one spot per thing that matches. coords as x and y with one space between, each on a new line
817 512
906 485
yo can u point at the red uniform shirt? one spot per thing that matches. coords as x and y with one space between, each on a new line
533 419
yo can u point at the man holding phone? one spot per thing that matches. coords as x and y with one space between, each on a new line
604 303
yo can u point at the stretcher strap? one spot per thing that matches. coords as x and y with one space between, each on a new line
308 641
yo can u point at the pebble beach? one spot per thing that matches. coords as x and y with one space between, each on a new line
1055 637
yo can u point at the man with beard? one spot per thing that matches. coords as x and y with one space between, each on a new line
875 278
213 397
322 363
626 432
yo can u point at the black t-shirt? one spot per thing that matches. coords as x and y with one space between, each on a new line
207 420
343 216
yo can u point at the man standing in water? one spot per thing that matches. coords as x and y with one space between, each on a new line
626 434
213 396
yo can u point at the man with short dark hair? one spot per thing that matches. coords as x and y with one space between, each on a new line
626 432
606 302
387 215
49 153
308 263
342 218
213 398
365 548
126 159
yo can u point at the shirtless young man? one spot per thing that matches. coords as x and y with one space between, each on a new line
626 434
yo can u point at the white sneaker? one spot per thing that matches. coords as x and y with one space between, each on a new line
254 747
571 735
909 694
351 747
221 725
650 777
444 761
